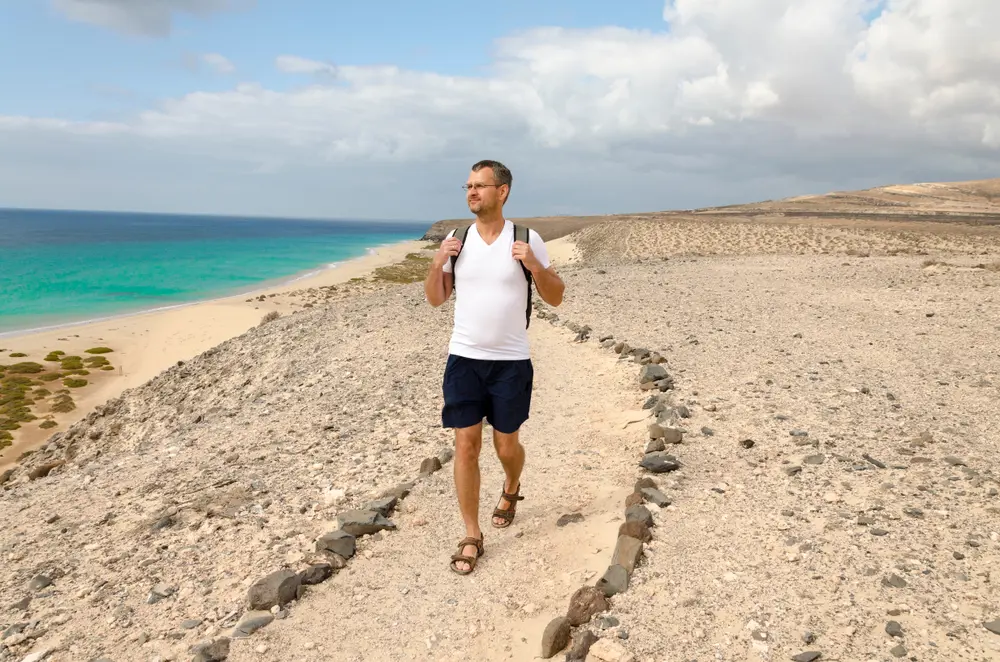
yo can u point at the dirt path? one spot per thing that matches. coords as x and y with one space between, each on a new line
398 599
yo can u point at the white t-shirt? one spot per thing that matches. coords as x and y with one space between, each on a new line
491 297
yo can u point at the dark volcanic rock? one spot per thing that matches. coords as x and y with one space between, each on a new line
808 656
569 519
614 581
211 651
338 542
659 463
655 496
635 529
363 522
627 552
556 637
582 642
585 603
278 588
639 514
429 466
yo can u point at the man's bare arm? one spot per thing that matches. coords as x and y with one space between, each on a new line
438 284
549 285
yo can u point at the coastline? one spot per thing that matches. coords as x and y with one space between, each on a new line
145 343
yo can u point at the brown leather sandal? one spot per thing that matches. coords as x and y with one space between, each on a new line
507 514
459 556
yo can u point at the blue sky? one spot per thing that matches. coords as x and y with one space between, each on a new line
364 110
87 72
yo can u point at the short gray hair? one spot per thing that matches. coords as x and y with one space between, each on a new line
501 175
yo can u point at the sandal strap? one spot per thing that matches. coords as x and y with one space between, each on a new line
513 497
470 542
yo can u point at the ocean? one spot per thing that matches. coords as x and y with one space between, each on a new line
62 267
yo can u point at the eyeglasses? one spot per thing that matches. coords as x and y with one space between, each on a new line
476 187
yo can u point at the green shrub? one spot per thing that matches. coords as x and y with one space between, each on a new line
55 355
69 382
72 363
50 376
82 372
18 355
410 270
108 367
96 361
6 438
27 368
48 424
41 393
63 404
100 350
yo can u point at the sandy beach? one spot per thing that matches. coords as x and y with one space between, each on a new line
751 440
146 343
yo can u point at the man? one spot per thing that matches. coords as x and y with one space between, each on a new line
489 372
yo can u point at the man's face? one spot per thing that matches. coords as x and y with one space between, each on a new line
488 196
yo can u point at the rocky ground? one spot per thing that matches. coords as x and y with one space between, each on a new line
835 494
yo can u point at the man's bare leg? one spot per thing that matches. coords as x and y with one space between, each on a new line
468 444
511 455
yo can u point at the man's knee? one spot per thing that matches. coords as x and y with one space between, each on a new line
506 444
469 442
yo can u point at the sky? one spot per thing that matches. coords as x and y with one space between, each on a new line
334 109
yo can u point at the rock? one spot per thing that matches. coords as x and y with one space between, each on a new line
659 463
38 582
635 529
793 470
627 552
446 455
158 593
364 522
655 445
585 603
955 461
6 476
276 589
16 628
22 604
655 496
808 656
798 433
383 506
873 461
615 579
651 402
639 514
43 470
36 656
898 651
582 643
556 637
814 459
605 650
634 499
894 629
895 581
879 532
643 482
251 622
708 432
429 466
211 651
316 573
652 372
191 624
569 519
401 491
993 626
338 542
748 443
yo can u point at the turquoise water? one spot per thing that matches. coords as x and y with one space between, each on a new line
61 267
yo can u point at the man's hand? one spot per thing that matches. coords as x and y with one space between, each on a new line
449 247
522 251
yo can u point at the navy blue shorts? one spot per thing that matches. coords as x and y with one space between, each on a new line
499 391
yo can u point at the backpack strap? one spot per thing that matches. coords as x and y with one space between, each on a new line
460 234
521 233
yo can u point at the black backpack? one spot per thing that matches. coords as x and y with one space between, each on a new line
520 234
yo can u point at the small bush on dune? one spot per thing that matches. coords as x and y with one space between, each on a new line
28 368
41 393
6 438
70 382
55 355
96 361
99 350
63 404
72 363
48 424
18 355
81 372
108 367
50 376
410 270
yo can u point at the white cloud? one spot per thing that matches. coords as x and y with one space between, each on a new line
735 101
146 17
219 63
293 64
